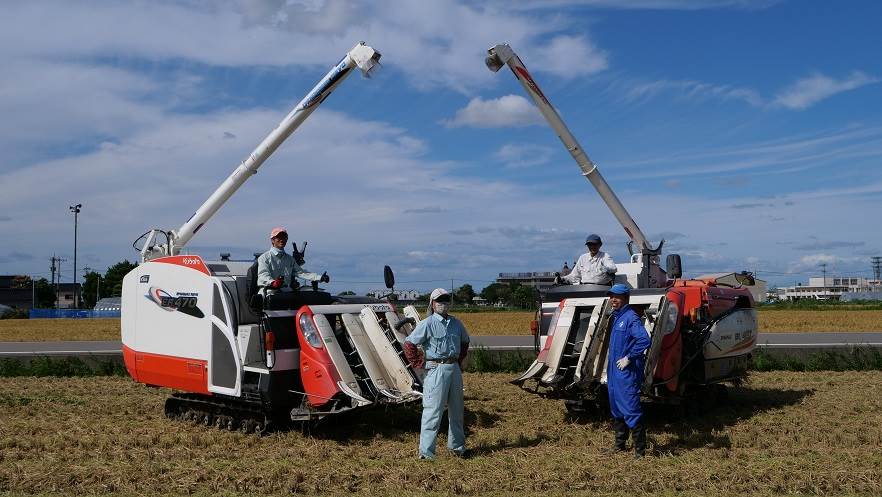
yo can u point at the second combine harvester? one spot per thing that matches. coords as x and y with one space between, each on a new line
240 360
703 332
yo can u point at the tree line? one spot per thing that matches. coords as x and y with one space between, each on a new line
504 294
108 284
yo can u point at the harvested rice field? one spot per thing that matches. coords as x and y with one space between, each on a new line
478 323
781 433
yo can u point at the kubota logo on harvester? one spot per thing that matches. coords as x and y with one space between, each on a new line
182 301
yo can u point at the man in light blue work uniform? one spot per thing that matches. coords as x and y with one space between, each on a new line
276 269
445 343
627 347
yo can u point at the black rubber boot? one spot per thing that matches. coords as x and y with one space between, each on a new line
639 437
621 433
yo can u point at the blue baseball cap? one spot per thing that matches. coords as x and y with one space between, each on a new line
592 238
619 289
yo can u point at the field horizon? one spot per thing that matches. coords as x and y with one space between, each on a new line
477 323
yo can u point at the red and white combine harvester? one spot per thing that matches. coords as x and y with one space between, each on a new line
703 332
244 361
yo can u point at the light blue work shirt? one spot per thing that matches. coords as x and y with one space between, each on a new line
440 338
272 265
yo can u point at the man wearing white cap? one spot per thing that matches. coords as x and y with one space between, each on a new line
445 343
276 268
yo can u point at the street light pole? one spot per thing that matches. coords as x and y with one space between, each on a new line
76 210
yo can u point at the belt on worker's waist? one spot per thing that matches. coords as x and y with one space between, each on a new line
431 363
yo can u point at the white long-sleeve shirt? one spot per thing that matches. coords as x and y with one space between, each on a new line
598 270
282 265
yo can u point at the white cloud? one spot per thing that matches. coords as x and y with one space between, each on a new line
518 155
799 96
502 112
430 42
689 90
781 156
566 56
813 89
834 263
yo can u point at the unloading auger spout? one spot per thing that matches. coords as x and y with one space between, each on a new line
501 55
361 56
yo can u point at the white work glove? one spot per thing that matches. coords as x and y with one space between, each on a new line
623 363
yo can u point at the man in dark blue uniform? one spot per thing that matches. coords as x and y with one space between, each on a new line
624 373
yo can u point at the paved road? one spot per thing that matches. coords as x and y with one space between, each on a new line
770 340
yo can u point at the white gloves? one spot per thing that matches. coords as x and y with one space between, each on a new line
623 363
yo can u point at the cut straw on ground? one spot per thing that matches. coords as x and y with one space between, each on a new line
782 433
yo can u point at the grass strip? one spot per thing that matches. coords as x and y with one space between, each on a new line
481 360
60 367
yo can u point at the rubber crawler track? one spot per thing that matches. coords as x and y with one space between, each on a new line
219 412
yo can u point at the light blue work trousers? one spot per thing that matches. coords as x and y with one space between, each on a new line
442 388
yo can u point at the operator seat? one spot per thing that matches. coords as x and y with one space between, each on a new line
253 296
282 300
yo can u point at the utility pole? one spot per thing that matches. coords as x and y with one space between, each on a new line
76 211
56 267
824 270
53 280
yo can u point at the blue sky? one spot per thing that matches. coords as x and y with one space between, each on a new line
746 133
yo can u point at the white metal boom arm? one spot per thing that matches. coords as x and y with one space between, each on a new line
502 54
361 56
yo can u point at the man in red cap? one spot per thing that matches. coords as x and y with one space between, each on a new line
276 269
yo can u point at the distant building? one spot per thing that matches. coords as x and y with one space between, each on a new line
108 304
402 295
66 294
16 291
832 288
758 288
540 280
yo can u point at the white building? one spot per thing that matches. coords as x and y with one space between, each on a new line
830 288
409 295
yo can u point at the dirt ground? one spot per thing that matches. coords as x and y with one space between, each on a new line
782 433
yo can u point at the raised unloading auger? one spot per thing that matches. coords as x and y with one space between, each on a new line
361 56
702 334
501 55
